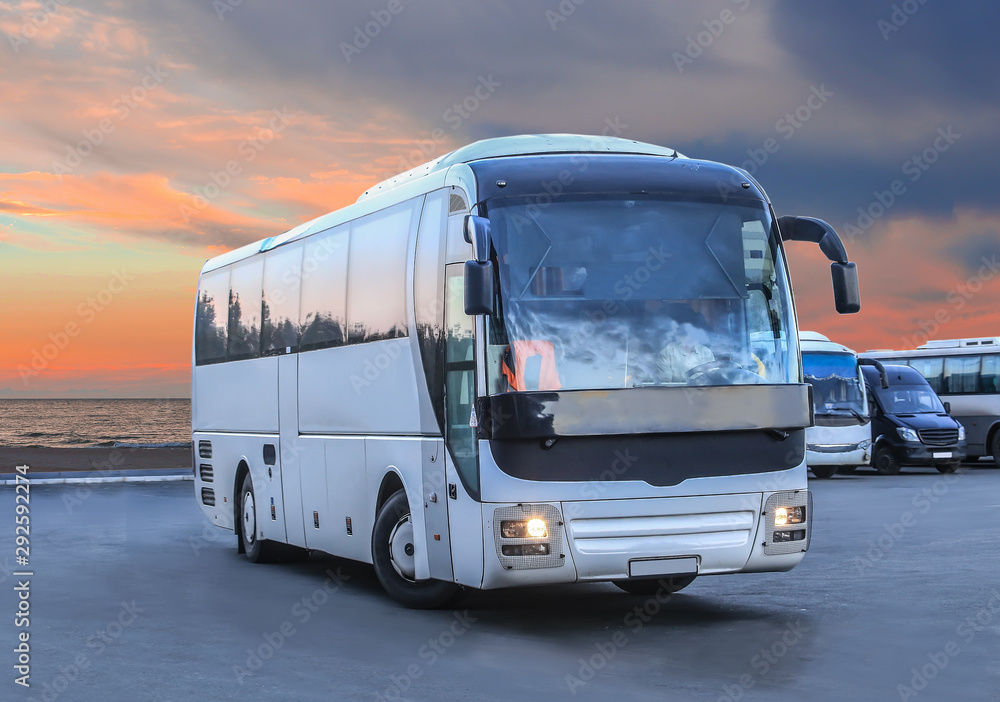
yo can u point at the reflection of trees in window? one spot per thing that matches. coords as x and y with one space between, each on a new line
321 329
244 335
277 334
361 332
210 337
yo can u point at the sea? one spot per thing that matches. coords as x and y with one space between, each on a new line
95 423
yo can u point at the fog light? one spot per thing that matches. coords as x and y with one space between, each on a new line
789 515
537 528
525 550
783 536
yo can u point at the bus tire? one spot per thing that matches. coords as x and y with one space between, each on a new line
257 550
885 462
653 586
392 557
995 447
823 471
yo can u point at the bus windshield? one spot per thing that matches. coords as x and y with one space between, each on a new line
618 291
835 381
910 399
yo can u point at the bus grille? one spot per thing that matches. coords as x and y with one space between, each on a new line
938 437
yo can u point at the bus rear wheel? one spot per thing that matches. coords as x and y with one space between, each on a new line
885 462
653 586
995 447
393 556
823 471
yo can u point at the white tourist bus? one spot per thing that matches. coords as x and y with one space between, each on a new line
841 437
537 359
965 373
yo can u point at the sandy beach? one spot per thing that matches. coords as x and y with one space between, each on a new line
112 460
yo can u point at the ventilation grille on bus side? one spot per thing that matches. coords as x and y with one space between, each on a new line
208 496
206 472
205 449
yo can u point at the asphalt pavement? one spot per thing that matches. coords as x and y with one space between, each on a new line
135 596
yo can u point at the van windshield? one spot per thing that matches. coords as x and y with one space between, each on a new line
910 399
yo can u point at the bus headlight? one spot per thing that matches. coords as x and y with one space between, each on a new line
533 528
907 434
961 433
783 516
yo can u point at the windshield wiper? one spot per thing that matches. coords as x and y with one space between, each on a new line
857 415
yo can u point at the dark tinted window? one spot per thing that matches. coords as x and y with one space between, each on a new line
961 374
989 380
282 288
376 286
324 284
244 309
211 318
930 368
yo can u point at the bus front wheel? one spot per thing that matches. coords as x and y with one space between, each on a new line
393 550
655 586
823 471
259 550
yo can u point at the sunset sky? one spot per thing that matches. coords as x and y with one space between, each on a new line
120 120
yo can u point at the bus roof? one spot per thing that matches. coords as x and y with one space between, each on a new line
524 145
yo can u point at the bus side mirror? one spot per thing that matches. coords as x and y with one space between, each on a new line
477 233
883 376
479 291
846 293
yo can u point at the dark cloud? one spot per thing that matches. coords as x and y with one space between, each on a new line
975 250
891 94
910 54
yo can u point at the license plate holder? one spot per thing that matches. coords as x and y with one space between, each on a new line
662 567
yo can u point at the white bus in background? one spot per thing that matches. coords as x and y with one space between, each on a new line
841 438
965 373
537 359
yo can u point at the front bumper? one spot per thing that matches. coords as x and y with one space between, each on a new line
857 454
918 454
609 539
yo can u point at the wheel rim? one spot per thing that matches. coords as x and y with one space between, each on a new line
401 549
249 518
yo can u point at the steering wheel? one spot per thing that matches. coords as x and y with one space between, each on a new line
723 372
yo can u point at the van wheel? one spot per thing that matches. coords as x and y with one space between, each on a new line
823 471
651 586
885 463
946 467
393 557
260 550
